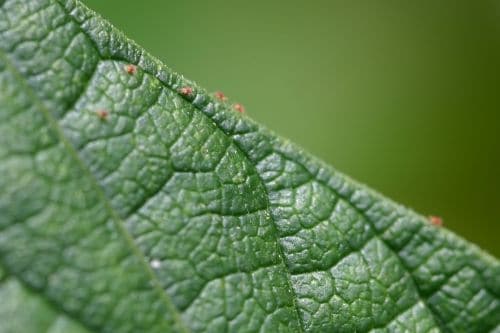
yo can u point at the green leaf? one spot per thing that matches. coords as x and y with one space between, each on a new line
133 201
26 311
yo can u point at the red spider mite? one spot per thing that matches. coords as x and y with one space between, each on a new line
220 96
240 108
436 220
131 69
102 114
186 91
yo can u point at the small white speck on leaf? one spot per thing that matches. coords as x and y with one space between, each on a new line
155 264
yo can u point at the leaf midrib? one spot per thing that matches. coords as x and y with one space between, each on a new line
99 191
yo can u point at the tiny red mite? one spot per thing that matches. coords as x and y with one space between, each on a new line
436 220
186 91
240 108
102 114
220 96
131 69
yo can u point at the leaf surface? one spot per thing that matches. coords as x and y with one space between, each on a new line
133 201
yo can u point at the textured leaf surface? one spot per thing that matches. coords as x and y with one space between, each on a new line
130 206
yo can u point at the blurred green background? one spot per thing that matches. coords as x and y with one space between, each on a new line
401 95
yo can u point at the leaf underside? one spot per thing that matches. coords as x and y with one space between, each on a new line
129 205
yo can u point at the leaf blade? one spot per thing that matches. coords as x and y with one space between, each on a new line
347 232
20 249
32 314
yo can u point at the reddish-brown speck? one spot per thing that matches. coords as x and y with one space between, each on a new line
186 91
131 69
240 108
436 220
102 114
220 96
